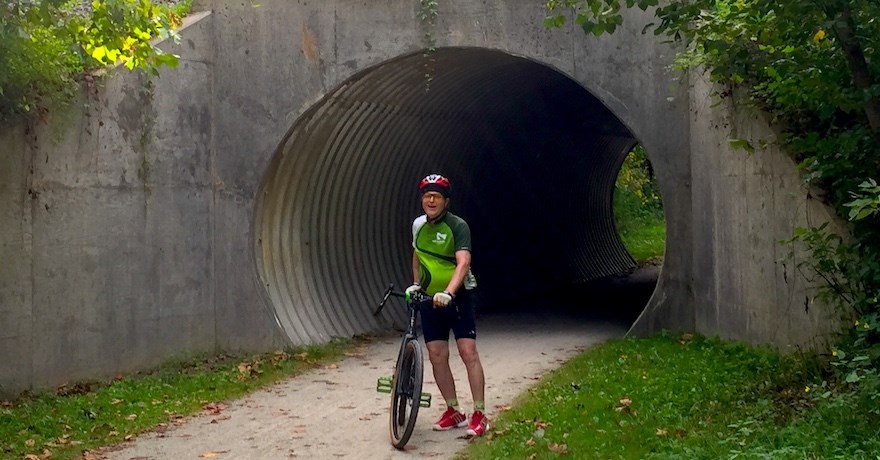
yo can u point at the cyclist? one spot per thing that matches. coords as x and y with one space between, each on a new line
441 268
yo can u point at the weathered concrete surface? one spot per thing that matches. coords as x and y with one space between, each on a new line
128 225
16 284
746 284
108 226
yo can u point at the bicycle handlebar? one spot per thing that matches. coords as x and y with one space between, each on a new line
416 297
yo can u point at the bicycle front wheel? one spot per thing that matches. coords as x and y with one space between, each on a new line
405 398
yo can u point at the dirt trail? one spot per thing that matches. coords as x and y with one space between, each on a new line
337 413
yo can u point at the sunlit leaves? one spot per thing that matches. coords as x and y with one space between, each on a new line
122 31
46 45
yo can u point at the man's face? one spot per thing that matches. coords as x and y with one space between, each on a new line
434 204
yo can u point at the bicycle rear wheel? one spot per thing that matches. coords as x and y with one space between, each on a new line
405 398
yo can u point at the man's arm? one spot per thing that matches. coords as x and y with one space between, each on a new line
415 268
462 265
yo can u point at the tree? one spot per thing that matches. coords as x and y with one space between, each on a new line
47 45
831 44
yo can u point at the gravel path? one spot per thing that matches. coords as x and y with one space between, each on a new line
336 412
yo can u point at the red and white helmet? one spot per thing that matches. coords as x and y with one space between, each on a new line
435 183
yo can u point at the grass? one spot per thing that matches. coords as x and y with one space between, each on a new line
680 398
72 420
642 228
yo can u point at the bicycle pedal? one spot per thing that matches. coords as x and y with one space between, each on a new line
383 385
425 400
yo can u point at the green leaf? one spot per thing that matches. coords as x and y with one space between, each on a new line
741 144
852 377
554 21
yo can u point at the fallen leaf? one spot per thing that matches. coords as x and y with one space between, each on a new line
213 408
662 432
558 448
212 454
131 417
116 401
530 442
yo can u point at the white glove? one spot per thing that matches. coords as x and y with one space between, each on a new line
442 299
416 287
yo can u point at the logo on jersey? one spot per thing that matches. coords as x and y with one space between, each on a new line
439 238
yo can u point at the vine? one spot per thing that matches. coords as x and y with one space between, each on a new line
428 19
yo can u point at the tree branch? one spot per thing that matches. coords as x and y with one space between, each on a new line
855 58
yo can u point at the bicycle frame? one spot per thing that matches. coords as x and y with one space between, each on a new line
411 333
406 384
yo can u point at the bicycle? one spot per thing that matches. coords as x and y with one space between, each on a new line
406 383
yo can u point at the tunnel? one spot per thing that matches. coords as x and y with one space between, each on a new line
532 156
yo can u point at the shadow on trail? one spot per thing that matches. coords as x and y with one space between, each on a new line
616 299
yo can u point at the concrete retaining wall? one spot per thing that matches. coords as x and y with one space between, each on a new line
746 284
127 222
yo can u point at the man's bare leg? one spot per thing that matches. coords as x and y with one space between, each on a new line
467 348
438 353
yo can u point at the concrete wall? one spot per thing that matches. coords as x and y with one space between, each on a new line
108 222
746 284
127 221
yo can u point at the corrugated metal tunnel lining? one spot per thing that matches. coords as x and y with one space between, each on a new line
532 155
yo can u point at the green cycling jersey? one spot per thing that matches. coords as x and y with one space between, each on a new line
435 244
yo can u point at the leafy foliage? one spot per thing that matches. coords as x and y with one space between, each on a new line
638 208
46 46
121 31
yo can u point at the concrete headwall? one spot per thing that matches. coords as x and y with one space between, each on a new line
746 284
109 217
132 224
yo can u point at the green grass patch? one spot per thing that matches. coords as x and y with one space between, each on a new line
642 227
680 397
80 417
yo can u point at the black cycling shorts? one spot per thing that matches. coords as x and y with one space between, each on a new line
459 317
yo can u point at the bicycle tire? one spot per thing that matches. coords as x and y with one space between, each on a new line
405 399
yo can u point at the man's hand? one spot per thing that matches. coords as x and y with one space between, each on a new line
442 299
416 287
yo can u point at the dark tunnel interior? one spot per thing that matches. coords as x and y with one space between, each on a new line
533 158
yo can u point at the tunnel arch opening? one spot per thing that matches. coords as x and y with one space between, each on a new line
532 154
638 208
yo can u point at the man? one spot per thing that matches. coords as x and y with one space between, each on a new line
441 264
